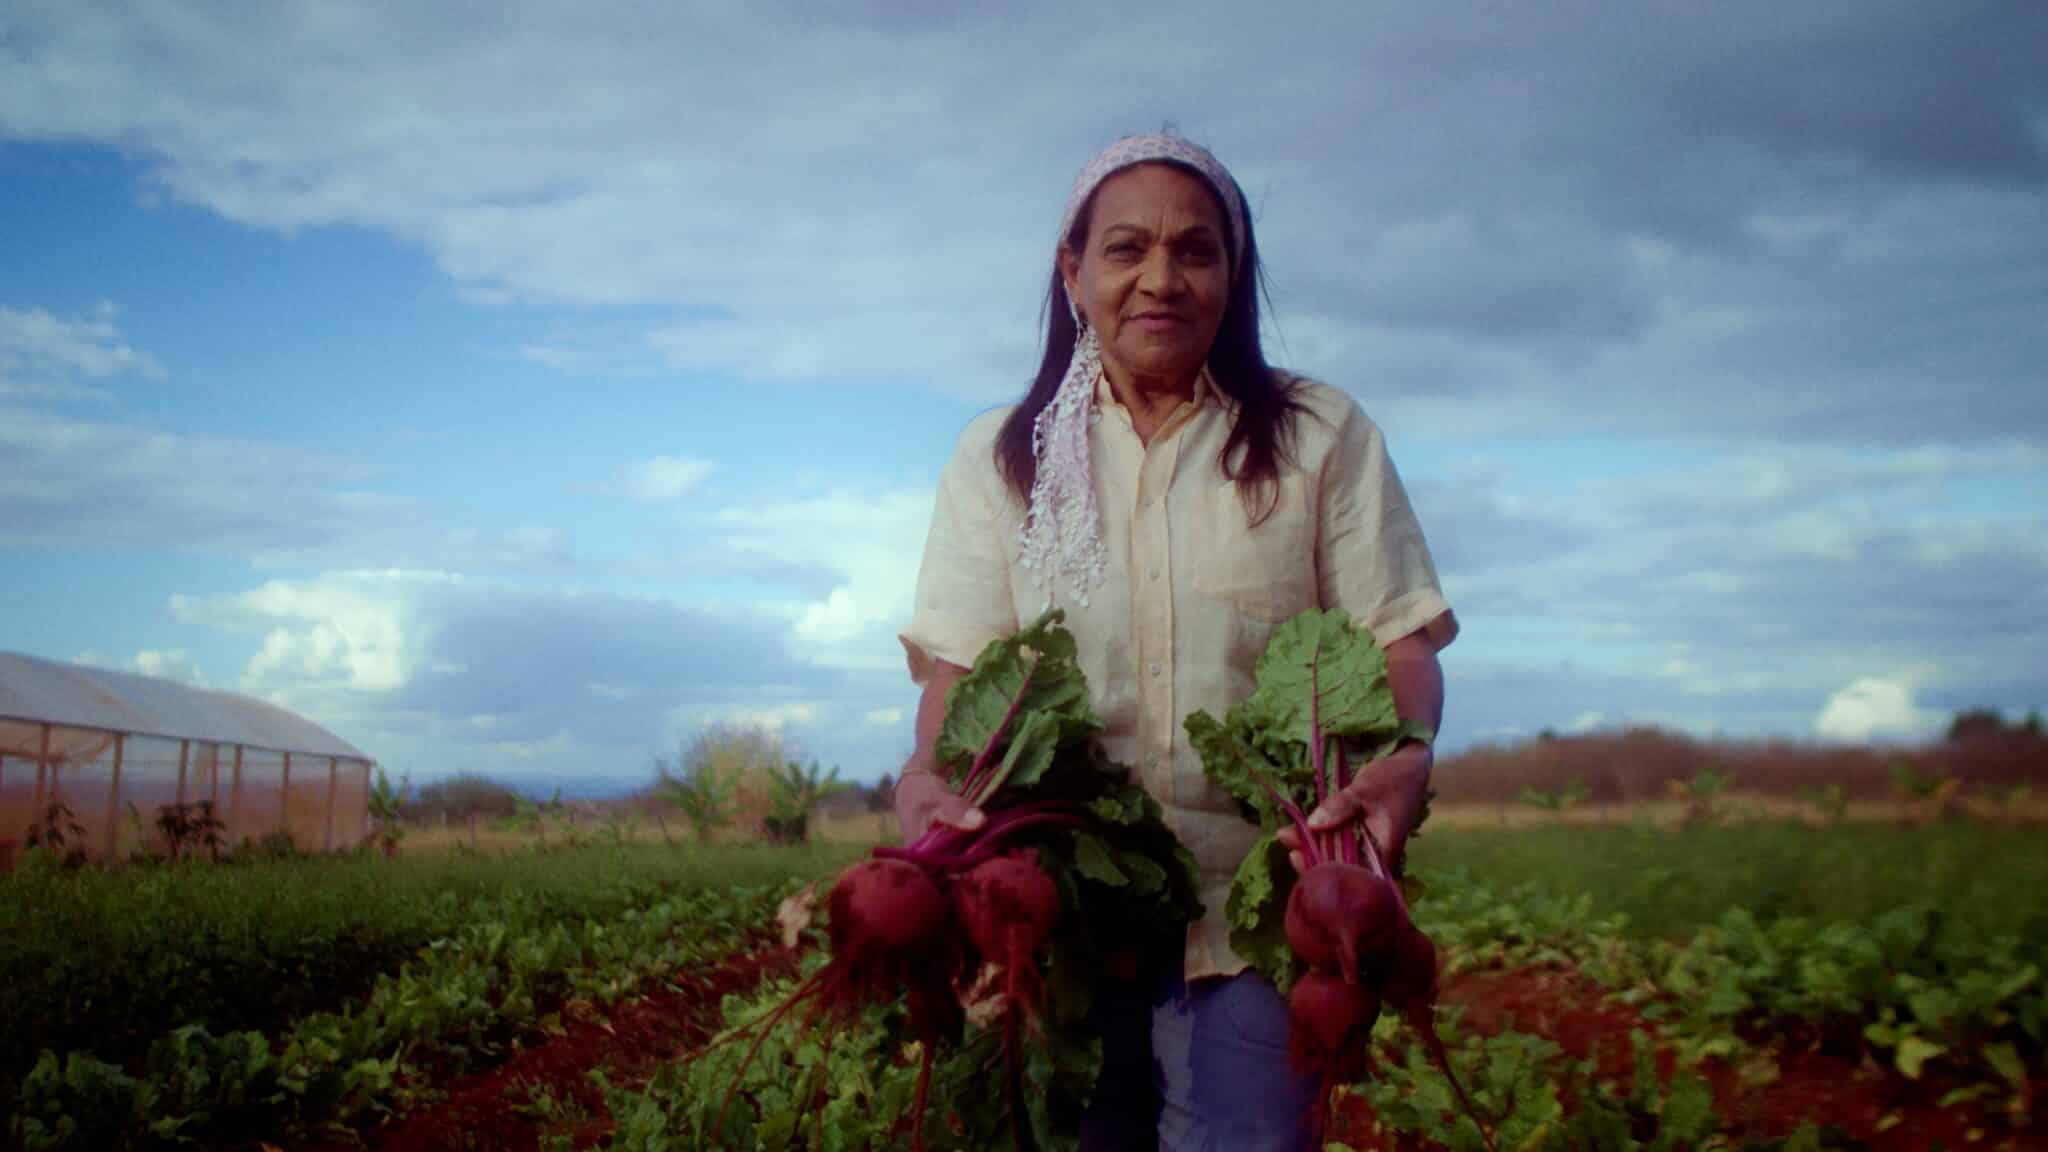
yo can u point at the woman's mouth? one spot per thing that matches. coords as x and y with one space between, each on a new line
1157 322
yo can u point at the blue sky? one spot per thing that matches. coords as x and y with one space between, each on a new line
516 390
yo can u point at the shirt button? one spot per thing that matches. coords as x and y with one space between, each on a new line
1157 668
1152 574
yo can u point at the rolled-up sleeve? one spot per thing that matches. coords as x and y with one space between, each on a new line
1371 558
963 583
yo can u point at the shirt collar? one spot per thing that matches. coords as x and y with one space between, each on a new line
1206 390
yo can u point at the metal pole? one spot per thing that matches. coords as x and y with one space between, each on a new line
235 795
42 770
114 802
330 803
184 757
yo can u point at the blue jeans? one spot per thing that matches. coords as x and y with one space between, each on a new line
1219 1077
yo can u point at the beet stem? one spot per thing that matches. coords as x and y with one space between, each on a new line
1379 868
770 1019
942 839
984 845
977 776
1435 1045
924 1079
1310 848
1315 722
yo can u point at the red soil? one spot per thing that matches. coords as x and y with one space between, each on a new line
1811 1086
489 1111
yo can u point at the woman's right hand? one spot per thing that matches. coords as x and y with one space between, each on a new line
922 799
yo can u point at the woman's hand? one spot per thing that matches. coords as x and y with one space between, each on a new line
1388 793
922 799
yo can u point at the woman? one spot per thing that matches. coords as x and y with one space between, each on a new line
1178 497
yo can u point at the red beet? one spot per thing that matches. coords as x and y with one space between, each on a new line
1411 973
891 935
1329 1022
1007 904
1340 916
885 917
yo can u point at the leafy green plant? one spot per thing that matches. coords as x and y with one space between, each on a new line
387 804
57 832
1573 795
702 789
462 1000
794 790
1831 802
190 825
1700 797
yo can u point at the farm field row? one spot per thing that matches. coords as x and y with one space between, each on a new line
1740 986
1916 1025
218 1006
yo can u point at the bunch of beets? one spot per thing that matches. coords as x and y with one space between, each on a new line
1337 937
1072 861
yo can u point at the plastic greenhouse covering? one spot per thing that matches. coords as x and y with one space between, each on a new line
99 756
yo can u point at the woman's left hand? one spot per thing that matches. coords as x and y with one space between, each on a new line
1388 793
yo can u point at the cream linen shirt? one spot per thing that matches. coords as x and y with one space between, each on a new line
1193 591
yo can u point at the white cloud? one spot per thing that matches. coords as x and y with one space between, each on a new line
883 717
797 196
1586 722
868 539
664 479
50 357
88 485
436 674
1874 708
170 664
364 631
174 664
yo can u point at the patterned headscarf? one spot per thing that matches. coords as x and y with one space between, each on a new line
1063 529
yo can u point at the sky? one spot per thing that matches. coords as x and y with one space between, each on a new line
519 387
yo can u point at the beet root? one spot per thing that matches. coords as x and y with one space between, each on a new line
1007 906
886 919
1340 916
1411 973
1329 1023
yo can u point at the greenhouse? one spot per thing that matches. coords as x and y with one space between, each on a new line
114 763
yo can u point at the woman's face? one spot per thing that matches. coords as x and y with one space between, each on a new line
1152 276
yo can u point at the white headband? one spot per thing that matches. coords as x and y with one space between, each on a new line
1140 149
1063 529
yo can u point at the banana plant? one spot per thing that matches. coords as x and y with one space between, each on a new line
795 790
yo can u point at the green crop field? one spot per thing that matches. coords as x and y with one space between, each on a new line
1765 986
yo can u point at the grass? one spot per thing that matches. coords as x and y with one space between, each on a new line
1981 879
435 839
1737 807
122 955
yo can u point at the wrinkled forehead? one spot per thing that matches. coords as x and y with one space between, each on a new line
1156 197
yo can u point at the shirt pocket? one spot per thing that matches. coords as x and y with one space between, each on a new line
1265 573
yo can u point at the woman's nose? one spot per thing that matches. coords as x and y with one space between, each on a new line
1160 275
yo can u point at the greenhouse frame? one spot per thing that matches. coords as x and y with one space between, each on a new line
100 757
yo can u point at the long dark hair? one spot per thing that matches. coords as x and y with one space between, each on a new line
1261 438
